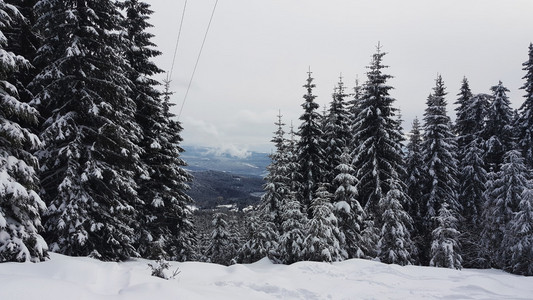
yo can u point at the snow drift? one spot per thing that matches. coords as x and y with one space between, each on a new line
65 277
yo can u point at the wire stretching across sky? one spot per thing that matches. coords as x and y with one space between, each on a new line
198 58
169 74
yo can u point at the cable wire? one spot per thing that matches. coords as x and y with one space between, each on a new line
198 59
169 74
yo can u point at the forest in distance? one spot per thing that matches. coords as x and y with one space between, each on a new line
91 162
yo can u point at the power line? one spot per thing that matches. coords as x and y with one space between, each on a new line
169 74
198 59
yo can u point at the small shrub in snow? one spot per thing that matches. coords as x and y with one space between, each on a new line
160 269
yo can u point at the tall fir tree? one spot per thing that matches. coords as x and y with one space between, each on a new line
262 239
310 150
524 123
293 231
347 209
518 240
277 186
378 153
414 182
395 244
439 156
323 241
353 110
220 249
166 221
469 128
20 205
90 134
337 133
445 246
23 40
498 130
462 121
502 199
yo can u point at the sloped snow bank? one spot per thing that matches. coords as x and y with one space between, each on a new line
83 278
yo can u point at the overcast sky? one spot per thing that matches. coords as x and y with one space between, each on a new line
257 53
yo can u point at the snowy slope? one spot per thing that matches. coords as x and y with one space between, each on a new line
83 278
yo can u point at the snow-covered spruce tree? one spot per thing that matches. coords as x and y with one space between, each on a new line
469 127
498 129
524 124
23 40
415 174
166 222
293 165
323 241
445 246
470 144
277 186
168 213
349 213
219 250
463 119
414 181
353 110
439 156
262 239
310 152
502 198
518 241
473 178
395 245
90 134
293 230
337 134
378 153
20 206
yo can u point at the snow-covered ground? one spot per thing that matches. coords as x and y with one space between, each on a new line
70 278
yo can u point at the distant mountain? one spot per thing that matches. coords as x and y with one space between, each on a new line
220 178
204 158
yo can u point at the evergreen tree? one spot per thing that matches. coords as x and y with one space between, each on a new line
414 181
277 186
498 130
310 152
470 125
415 174
395 244
349 213
524 123
378 153
293 232
262 239
445 248
463 119
220 249
337 133
503 194
166 225
90 135
439 156
471 194
293 165
353 110
23 41
322 241
20 206
518 241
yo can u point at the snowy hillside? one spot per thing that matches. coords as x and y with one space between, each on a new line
65 277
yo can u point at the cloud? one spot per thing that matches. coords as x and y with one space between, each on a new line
232 150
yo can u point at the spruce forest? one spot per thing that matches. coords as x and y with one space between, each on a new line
90 160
